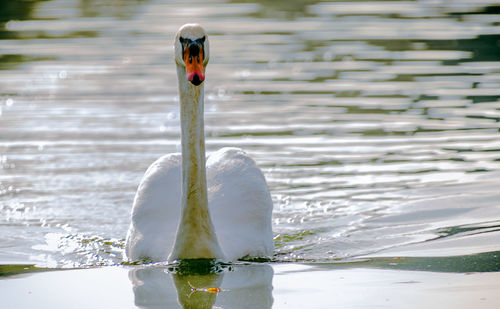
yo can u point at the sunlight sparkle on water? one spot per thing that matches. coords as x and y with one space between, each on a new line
365 117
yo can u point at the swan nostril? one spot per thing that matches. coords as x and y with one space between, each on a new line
196 80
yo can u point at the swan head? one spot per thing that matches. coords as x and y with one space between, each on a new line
192 52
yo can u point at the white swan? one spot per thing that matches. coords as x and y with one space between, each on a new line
175 214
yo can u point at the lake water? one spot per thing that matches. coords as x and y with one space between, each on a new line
376 123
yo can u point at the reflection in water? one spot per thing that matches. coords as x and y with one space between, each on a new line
242 286
191 293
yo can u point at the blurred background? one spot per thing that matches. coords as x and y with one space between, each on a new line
376 123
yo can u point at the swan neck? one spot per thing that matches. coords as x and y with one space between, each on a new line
195 235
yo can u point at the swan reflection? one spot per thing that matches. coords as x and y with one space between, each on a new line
242 286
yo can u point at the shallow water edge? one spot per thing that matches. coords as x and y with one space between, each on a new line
456 282
480 262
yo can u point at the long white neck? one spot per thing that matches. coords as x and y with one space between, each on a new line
195 237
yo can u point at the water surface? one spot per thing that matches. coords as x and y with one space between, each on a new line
375 123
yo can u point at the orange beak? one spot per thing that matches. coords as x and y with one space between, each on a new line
193 58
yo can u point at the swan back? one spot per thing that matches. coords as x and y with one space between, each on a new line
240 204
156 211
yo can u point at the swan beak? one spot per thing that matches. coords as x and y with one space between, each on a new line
193 58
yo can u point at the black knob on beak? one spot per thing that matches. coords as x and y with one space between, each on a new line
196 80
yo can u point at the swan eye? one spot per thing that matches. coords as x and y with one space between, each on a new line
190 59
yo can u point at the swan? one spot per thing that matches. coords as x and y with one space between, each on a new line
188 206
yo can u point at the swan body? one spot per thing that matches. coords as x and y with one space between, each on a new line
188 206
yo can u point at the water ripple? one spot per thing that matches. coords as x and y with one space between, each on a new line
376 123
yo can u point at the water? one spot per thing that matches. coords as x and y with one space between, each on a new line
375 123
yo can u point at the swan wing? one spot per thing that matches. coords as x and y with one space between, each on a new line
156 211
240 204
